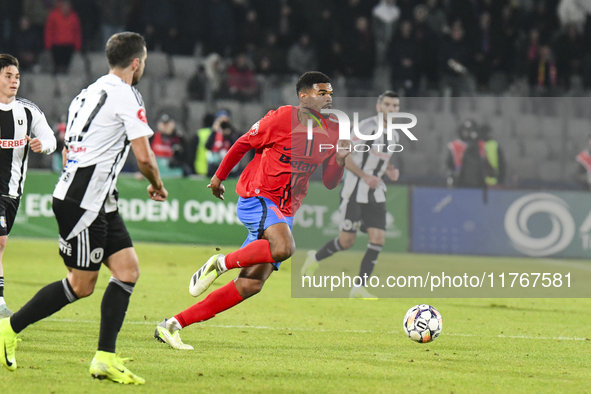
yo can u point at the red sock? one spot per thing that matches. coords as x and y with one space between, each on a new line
217 301
257 252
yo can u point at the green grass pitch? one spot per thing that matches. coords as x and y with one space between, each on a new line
273 343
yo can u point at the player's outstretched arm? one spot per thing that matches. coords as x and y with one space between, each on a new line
146 161
216 187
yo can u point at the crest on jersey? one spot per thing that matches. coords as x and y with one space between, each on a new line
20 122
96 256
254 130
141 115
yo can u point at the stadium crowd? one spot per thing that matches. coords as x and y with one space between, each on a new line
425 45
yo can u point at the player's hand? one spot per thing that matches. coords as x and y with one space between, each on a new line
216 187
157 194
35 144
393 173
372 181
344 148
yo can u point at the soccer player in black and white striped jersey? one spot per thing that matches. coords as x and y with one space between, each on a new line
22 125
104 121
363 197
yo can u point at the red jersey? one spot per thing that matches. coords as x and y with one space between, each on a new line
285 159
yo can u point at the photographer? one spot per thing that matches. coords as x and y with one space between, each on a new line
466 161
220 141
169 147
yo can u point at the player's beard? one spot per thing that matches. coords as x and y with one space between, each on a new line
136 77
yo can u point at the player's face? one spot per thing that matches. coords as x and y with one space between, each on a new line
388 104
10 80
318 97
137 75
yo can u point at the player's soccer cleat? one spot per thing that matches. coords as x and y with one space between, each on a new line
8 340
110 366
164 335
202 279
4 311
361 292
310 265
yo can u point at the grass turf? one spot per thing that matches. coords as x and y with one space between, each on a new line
273 343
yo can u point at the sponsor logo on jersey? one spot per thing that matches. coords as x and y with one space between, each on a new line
75 149
65 247
11 144
141 115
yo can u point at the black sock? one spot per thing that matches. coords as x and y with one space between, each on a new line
369 259
113 310
330 248
46 302
1 286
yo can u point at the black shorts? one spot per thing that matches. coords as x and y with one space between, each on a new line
356 216
8 208
93 245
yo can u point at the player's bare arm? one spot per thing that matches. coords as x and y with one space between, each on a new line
344 148
372 181
393 173
146 162
216 187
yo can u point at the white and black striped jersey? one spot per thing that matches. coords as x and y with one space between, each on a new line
374 161
18 119
102 120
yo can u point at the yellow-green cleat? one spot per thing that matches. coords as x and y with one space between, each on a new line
164 335
361 292
7 345
310 265
204 277
110 366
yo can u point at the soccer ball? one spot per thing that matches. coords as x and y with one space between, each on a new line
422 323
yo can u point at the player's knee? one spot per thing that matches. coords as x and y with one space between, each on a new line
83 290
282 252
250 287
346 243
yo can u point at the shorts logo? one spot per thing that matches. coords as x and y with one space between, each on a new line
3 221
96 256
141 115
65 247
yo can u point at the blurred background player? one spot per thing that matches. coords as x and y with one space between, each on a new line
105 119
271 190
19 118
583 175
363 198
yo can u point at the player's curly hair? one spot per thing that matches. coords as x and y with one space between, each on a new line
7 60
308 80
122 48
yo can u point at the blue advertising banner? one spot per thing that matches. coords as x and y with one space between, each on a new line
501 223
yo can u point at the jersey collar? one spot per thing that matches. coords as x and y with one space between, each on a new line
7 107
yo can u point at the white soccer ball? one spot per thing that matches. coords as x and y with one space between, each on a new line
422 323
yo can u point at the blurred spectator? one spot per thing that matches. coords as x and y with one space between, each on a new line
214 71
242 83
333 61
544 18
302 56
467 162
37 12
161 29
249 31
573 12
197 146
570 49
484 52
455 62
28 44
59 129
427 44
271 58
361 50
135 19
9 14
113 14
197 85
542 73
63 35
495 165
221 139
436 18
89 13
385 15
221 27
583 174
169 147
405 60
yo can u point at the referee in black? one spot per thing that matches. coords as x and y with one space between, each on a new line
22 125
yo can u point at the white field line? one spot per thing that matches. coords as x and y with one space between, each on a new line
150 323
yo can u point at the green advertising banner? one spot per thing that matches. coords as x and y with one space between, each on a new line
192 215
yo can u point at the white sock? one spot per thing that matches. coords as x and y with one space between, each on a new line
2 302
173 325
222 264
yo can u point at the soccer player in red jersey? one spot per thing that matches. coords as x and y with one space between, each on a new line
271 190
